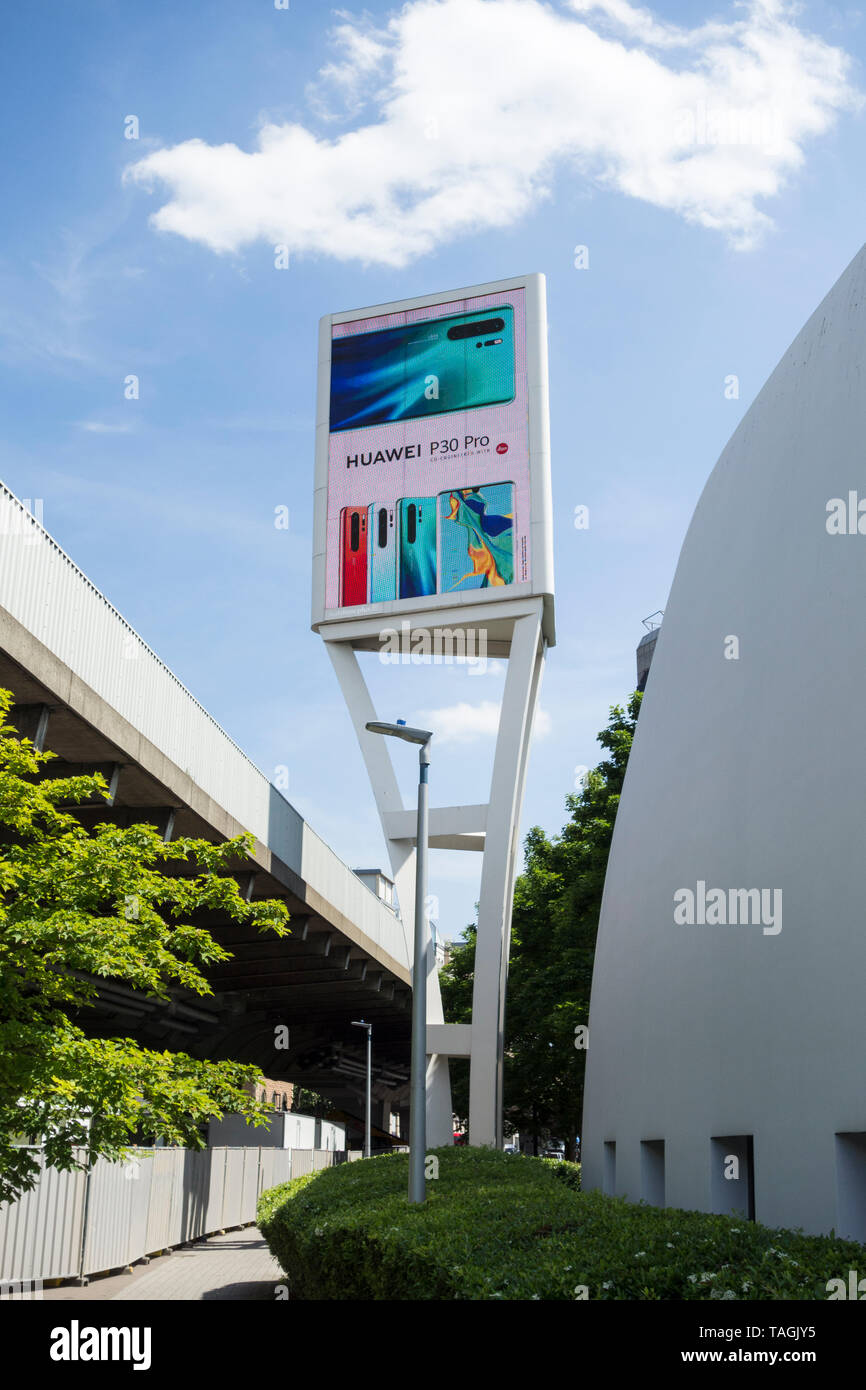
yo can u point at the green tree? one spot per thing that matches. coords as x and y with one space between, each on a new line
306 1102
456 980
78 905
557 900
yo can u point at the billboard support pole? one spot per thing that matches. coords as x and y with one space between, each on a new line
525 667
401 852
499 844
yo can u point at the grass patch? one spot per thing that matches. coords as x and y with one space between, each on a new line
503 1226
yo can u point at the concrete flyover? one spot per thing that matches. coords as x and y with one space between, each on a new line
88 688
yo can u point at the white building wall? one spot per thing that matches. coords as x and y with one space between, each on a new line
234 1132
750 773
332 1136
300 1131
285 1130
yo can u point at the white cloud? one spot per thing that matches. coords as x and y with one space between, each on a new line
352 78
480 104
464 723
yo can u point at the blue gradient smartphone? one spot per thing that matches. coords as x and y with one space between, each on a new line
417 562
476 537
415 370
382 531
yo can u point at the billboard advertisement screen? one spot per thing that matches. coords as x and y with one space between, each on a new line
432 492
428 479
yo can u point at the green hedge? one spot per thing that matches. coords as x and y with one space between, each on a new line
503 1226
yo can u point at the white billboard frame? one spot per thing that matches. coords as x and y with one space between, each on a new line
494 610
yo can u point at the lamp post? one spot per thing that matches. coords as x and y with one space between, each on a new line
418 1072
369 1028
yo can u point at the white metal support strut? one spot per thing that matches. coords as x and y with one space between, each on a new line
401 852
522 682
492 829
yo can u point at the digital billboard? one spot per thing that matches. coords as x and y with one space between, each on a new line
432 468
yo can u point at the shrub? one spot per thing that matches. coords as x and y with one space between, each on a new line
504 1226
566 1172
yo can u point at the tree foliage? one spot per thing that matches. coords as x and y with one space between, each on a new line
76 905
307 1102
557 900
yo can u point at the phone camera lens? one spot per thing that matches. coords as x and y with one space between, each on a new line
471 330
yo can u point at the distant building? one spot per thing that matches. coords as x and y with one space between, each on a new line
646 647
440 947
277 1094
383 886
285 1130
380 884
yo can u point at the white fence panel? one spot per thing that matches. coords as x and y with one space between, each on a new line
140 1208
111 1201
283 1167
268 1176
233 1189
161 1189
188 1196
158 1199
311 1160
250 1184
302 1162
40 1234
216 1176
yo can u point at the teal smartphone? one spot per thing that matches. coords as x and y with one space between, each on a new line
417 547
476 537
461 362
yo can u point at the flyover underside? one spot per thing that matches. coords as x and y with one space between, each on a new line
313 982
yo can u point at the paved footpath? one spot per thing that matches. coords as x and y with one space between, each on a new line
235 1266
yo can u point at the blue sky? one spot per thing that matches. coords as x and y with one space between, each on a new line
711 161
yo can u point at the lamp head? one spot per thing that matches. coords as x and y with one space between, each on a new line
400 730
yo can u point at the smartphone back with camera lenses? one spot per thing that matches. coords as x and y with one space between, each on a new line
383 551
461 362
417 547
353 556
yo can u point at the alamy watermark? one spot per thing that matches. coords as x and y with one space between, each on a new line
703 125
732 907
17 1290
854 1289
25 520
437 646
846 517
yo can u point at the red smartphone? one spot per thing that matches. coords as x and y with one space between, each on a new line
353 556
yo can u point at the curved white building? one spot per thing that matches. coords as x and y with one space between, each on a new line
727 1048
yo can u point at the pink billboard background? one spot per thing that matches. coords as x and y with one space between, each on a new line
504 458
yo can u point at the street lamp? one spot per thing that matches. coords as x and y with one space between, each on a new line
369 1028
418 1077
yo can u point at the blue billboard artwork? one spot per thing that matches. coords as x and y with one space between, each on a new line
476 537
416 370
